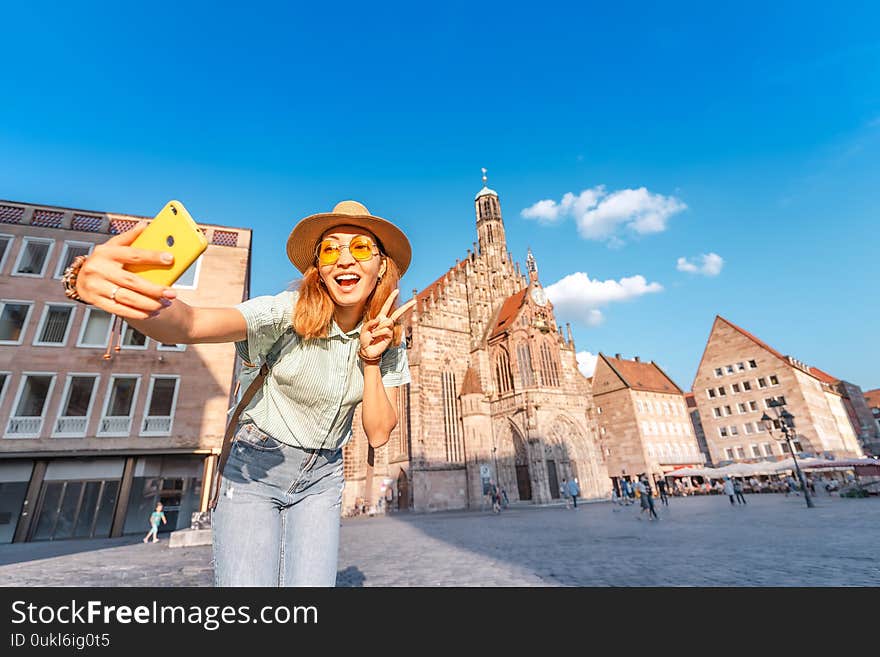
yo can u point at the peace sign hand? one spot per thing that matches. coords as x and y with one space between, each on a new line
377 333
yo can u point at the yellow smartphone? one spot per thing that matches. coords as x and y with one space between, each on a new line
175 231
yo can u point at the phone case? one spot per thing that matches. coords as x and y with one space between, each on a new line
172 230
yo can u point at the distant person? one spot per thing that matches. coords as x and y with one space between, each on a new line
661 488
729 490
563 492
156 517
574 490
648 495
738 491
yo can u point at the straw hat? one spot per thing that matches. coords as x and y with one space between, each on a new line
305 235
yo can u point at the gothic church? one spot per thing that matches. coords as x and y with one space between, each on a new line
496 394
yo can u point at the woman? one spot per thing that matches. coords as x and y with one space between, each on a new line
277 518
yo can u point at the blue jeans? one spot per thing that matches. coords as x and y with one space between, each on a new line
277 518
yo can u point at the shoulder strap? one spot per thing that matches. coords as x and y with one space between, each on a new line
246 398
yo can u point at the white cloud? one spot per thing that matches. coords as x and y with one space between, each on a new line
601 215
587 362
580 297
707 264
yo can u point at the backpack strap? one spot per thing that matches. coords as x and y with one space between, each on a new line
232 424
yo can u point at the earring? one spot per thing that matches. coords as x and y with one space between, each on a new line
379 280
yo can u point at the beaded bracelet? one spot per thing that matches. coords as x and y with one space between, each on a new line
69 279
367 360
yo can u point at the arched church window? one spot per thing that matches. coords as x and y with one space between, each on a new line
452 419
548 366
503 377
524 360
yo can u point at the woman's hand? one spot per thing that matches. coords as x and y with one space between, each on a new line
104 283
377 333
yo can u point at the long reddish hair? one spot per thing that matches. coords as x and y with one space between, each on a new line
314 308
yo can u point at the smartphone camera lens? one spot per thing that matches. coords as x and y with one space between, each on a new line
169 240
173 210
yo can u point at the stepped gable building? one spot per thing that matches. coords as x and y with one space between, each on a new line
644 424
95 428
872 398
737 377
496 393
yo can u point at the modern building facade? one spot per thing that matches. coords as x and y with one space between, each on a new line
94 433
496 393
644 426
737 378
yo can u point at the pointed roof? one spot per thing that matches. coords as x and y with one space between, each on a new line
815 372
471 384
486 192
437 286
509 311
637 375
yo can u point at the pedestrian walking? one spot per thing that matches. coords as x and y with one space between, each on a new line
574 490
729 490
312 354
156 517
648 499
661 488
738 491
628 491
563 492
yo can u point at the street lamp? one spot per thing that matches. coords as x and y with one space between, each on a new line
786 425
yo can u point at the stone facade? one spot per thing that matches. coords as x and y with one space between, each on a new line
644 427
103 433
496 393
737 376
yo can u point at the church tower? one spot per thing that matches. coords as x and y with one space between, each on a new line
490 227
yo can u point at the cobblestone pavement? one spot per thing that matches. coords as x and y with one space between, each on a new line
702 541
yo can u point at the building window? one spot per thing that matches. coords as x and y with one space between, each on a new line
747 386
95 331
54 325
639 406
768 449
119 405
503 377
170 347
132 338
728 410
762 382
711 393
728 453
741 408
722 431
755 451
161 403
735 388
4 378
451 421
774 380
646 428
733 430
748 427
76 405
30 407
189 279
753 405
548 364
753 364
665 408
5 248
524 358
71 251
741 367
33 257
719 371
740 452
13 320
722 392
654 428
729 369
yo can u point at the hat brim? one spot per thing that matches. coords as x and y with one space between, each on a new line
305 236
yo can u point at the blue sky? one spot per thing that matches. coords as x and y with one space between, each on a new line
751 133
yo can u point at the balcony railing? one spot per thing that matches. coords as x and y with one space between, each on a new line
157 425
72 425
115 425
24 426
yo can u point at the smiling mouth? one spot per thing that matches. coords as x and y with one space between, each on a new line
347 281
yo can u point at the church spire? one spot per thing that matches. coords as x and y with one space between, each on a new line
490 226
531 266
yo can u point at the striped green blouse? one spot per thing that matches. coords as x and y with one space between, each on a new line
309 398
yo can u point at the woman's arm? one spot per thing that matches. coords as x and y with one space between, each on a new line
152 309
379 410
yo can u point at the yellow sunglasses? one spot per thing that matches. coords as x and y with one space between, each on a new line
360 248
